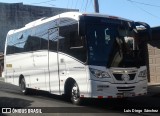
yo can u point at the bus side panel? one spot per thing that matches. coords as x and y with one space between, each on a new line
53 80
39 71
32 66
9 75
16 65
70 67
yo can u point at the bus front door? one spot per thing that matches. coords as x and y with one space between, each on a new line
53 79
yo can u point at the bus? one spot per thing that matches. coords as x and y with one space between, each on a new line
78 55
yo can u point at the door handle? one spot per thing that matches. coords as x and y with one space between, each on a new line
63 72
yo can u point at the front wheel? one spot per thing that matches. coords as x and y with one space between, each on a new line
23 86
75 94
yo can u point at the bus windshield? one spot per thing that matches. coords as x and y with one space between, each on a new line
100 43
113 46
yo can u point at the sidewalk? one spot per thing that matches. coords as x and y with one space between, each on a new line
2 79
154 89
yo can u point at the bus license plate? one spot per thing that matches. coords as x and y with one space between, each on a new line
127 94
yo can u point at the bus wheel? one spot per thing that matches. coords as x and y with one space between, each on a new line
23 86
75 95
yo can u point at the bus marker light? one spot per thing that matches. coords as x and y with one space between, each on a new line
110 97
100 97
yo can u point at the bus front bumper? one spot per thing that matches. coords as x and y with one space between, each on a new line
98 89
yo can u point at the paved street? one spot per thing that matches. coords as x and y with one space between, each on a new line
10 96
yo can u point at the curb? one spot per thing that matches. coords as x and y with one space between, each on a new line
150 84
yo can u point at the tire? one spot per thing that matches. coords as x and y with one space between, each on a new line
75 94
23 88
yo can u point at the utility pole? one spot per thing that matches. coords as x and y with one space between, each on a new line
96 6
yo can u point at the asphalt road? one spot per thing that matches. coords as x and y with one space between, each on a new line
11 97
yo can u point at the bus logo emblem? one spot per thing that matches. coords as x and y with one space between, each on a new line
125 77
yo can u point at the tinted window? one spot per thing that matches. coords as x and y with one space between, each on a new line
15 43
100 42
28 41
69 39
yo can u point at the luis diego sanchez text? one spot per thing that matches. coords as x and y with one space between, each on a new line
141 110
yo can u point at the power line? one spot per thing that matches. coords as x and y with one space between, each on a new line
50 4
144 3
67 3
86 5
91 3
71 3
76 4
144 10
82 5
43 2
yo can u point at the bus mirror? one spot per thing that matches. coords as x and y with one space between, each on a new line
81 31
130 25
78 47
147 27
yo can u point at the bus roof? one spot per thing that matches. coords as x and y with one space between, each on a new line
73 15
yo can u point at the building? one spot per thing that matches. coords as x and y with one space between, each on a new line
16 15
154 56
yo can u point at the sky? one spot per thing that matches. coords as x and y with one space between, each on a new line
137 10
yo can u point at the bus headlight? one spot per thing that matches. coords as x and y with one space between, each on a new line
99 74
143 73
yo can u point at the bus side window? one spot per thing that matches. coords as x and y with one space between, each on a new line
15 43
32 43
10 49
75 40
70 40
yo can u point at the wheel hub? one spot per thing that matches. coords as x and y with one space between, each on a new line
75 92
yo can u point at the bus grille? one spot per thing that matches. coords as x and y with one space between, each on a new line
124 89
118 77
